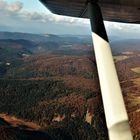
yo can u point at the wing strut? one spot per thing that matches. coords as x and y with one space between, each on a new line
115 112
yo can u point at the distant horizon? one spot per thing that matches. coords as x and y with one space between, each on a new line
43 33
127 36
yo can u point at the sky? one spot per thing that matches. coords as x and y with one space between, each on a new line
33 17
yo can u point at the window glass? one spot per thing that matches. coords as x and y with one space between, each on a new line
49 85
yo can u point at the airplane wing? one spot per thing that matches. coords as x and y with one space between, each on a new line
113 10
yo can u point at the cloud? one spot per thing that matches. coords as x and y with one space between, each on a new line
35 16
45 18
15 14
70 20
10 7
16 9
122 27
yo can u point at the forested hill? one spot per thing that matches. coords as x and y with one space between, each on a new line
66 39
52 81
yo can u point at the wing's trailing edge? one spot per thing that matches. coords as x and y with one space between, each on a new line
127 11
